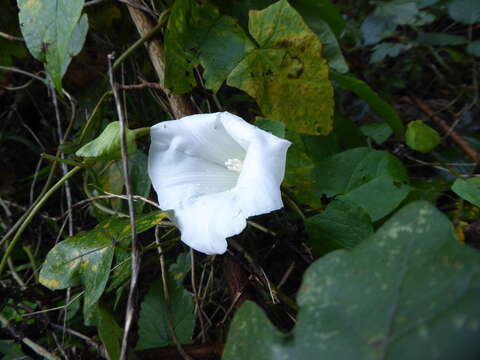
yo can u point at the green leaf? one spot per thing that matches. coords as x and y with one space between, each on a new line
378 132
381 51
325 20
12 350
374 28
374 180
421 137
464 11
110 333
314 11
349 134
274 127
107 145
287 73
198 33
439 39
297 172
410 291
138 168
85 259
468 189
332 51
343 224
474 48
54 32
153 327
381 107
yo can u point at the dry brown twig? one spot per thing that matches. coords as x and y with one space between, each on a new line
446 128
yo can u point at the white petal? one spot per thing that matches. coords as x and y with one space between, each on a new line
187 168
258 186
208 220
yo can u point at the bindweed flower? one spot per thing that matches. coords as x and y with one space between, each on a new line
214 171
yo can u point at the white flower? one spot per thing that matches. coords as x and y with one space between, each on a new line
215 171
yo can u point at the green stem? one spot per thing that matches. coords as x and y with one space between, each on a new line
59 159
140 132
33 212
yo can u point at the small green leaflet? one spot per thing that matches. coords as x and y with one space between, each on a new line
421 137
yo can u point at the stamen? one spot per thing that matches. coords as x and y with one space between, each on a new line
234 165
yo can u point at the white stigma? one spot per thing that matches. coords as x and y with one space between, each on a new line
234 165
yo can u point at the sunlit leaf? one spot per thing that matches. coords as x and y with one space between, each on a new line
421 137
107 145
287 73
85 259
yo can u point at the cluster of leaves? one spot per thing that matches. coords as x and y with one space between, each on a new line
387 273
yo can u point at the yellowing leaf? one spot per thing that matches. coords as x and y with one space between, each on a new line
287 75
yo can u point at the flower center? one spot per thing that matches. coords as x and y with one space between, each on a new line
234 165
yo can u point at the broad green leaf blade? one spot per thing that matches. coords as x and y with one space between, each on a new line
468 189
381 107
410 291
474 48
53 32
85 259
287 74
12 350
110 333
107 145
378 132
153 327
343 224
274 127
439 39
260 341
421 137
138 167
464 11
325 20
82 259
198 33
374 180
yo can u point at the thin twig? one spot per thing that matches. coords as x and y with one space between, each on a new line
10 37
198 304
140 86
168 307
40 350
469 151
36 207
23 72
131 212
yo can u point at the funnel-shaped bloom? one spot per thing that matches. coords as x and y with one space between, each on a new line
215 171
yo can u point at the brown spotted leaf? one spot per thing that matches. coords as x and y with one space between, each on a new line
411 291
287 75
86 258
